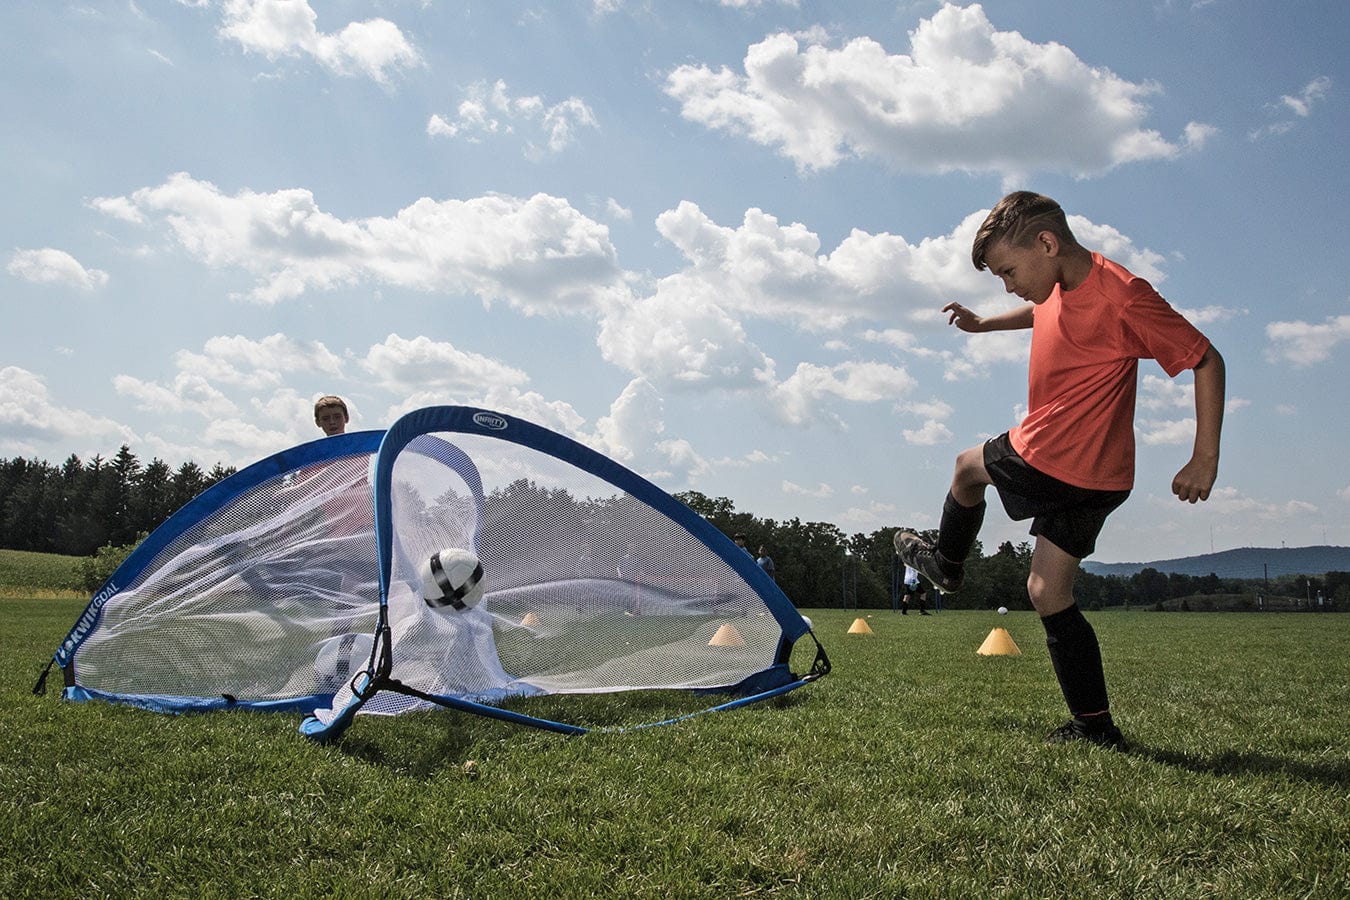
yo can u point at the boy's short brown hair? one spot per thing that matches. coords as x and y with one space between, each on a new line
1018 218
329 402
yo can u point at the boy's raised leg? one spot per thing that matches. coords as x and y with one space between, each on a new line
962 515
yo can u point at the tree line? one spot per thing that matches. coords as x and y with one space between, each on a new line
79 507
817 565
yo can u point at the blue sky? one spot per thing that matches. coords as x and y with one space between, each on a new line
710 239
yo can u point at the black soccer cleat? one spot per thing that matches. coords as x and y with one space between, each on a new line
1076 729
923 558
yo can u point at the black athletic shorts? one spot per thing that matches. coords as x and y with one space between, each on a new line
1070 517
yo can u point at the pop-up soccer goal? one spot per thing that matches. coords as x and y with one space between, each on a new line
320 580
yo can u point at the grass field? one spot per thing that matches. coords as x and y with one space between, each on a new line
42 575
915 769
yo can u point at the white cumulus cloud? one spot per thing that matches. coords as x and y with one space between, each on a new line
419 364
234 362
681 337
1306 343
375 48
54 267
943 107
821 491
634 434
538 254
490 109
932 432
1162 432
812 393
1301 104
28 415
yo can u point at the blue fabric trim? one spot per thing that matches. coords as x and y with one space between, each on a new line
172 703
400 434
312 728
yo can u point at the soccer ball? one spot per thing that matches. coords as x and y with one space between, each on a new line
1003 610
340 658
452 578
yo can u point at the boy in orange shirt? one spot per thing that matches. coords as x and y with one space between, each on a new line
1071 460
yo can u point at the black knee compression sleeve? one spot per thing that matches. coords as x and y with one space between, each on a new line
1077 659
959 527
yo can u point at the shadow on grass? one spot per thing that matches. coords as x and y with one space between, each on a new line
1333 773
427 743
418 749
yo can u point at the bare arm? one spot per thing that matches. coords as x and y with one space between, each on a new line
1196 478
1020 316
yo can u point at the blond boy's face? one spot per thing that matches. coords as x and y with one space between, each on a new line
331 420
1029 272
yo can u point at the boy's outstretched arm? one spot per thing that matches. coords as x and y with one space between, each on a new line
1020 316
1196 478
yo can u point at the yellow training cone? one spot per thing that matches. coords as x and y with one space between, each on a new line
860 626
999 643
530 620
727 636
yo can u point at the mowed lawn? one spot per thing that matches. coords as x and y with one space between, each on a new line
916 768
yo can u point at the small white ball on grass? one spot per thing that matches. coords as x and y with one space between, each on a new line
1003 610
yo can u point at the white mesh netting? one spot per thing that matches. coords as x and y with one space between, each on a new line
587 589
274 597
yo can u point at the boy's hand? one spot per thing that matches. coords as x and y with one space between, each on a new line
1195 480
1022 316
962 318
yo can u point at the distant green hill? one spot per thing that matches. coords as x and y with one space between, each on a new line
1247 562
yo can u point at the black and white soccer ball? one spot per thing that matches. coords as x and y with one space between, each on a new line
452 580
340 658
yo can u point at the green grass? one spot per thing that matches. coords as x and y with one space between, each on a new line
915 769
43 575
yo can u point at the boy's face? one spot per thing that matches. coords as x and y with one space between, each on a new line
331 420
1029 272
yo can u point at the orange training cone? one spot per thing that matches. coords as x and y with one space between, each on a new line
860 626
727 636
999 643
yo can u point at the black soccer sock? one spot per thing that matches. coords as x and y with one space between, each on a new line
1077 659
958 529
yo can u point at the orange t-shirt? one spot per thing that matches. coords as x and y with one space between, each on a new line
1085 350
